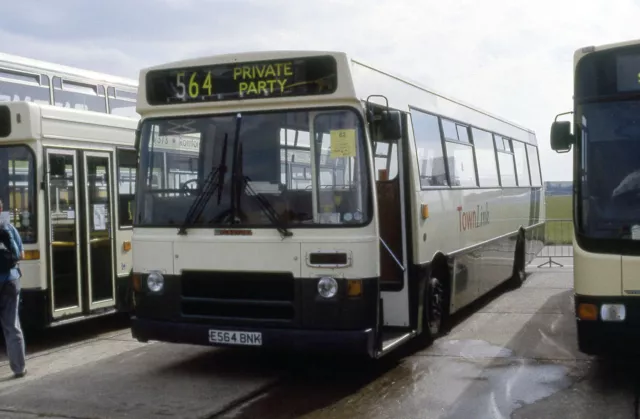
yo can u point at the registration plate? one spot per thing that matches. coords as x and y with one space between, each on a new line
231 337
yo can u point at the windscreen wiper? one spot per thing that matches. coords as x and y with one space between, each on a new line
265 205
212 183
268 210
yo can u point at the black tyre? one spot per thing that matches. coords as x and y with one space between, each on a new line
435 305
518 276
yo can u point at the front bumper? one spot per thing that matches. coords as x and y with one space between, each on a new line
359 342
598 337
287 311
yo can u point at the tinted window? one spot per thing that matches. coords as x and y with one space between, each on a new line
429 149
608 72
27 87
522 168
534 165
18 190
486 158
5 121
69 94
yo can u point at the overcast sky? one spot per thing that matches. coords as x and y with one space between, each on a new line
511 58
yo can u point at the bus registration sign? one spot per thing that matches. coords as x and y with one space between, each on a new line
232 337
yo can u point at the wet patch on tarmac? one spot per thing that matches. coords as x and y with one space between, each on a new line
475 380
512 350
471 348
608 389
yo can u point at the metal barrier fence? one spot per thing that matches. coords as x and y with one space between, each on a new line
558 242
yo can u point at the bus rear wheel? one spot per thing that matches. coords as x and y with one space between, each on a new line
434 307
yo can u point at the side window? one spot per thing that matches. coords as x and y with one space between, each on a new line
386 160
462 169
426 132
486 158
76 95
522 165
534 165
122 102
16 86
126 186
505 162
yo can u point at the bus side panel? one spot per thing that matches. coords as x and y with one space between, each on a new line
124 265
478 228
596 274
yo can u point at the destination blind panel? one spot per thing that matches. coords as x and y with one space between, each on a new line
240 81
608 72
628 72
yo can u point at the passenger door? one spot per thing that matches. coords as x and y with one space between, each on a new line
392 219
63 234
98 237
80 231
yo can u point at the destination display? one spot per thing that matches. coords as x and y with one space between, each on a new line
240 81
628 72
607 73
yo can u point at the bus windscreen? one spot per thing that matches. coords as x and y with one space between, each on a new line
247 80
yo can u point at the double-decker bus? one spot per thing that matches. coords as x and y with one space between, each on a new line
26 79
55 280
606 196
67 182
334 207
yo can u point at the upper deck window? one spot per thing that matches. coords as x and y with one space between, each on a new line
122 102
70 94
17 86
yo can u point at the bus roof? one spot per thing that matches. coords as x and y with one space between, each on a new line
349 88
38 121
27 64
581 52
419 86
246 56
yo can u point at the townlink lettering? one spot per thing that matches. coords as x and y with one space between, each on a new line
475 218
262 78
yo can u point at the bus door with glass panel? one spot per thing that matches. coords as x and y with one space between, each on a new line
80 233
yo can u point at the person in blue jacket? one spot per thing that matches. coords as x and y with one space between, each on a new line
10 295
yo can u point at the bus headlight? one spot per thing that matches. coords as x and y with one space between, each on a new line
613 312
155 281
327 287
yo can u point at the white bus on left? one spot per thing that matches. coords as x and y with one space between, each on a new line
67 180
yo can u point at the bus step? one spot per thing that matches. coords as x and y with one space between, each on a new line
69 320
394 338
